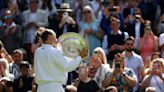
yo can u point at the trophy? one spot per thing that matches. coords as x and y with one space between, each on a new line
70 42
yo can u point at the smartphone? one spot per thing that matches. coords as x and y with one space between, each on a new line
65 14
117 65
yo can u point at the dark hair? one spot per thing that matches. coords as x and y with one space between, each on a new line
131 38
24 63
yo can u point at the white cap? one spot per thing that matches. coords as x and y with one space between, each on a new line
161 39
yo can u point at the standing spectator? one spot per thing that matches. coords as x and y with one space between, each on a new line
114 41
11 33
161 44
156 76
161 24
133 60
98 66
33 18
129 10
134 25
90 29
148 44
14 67
63 22
49 7
122 77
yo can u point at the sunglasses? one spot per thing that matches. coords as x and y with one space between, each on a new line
87 12
7 17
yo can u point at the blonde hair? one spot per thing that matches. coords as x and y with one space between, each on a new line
160 60
6 68
100 50
89 8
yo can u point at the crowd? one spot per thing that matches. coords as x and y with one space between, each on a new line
125 39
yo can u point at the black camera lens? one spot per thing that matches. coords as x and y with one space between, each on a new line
117 65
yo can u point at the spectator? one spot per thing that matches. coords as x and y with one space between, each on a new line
133 60
161 24
11 33
98 66
33 18
14 67
156 76
63 22
114 41
84 83
25 82
6 80
90 29
122 77
4 53
134 25
161 44
148 44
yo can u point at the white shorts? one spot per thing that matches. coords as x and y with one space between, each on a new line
50 87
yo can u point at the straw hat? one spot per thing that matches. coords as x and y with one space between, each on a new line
65 7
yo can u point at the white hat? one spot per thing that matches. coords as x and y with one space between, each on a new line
161 39
65 7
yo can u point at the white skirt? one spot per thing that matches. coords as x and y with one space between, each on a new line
50 87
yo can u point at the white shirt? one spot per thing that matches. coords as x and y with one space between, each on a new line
51 66
157 83
137 33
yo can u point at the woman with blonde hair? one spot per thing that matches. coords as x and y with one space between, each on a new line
98 66
156 76
6 78
90 29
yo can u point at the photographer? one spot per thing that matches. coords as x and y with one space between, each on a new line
134 25
121 77
108 13
156 77
63 22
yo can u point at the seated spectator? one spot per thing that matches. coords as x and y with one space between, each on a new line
14 67
85 83
25 82
122 77
6 79
156 76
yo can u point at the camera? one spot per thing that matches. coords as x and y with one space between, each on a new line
117 65
112 9
65 14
